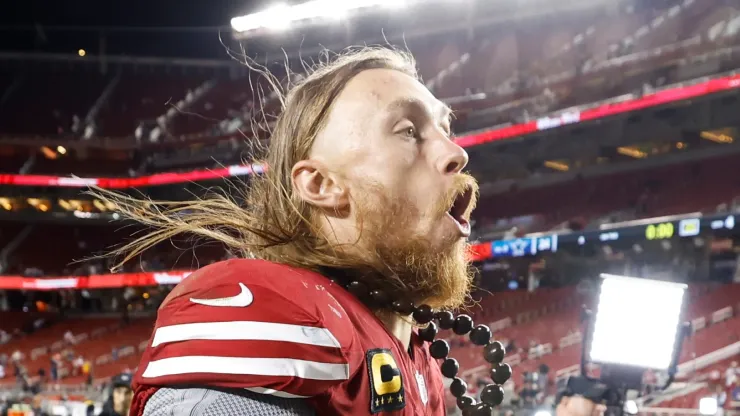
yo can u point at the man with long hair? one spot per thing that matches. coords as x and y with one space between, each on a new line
362 215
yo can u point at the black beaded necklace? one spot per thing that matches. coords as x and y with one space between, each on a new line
493 351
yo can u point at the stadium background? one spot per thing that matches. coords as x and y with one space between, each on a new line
602 133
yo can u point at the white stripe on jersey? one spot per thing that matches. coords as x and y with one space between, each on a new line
290 367
245 331
276 393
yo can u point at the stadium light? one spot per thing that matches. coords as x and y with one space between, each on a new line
708 406
277 17
282 16
637 322
630 407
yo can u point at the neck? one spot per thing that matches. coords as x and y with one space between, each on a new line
400 326
397 325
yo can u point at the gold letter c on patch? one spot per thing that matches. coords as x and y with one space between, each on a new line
390 384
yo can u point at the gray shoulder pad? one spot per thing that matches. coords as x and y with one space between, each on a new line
207 402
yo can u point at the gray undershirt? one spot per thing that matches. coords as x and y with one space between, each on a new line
208 402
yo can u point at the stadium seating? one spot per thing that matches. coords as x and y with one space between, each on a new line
126 340
95 340
228 98
551 326
674 189
77 256
143 97
687 401
13 321
519 74
700 383
98 337
80 243
556 327
43 102
487 60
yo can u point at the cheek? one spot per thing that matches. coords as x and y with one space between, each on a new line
388 180
425 190
426 203
423 199
395 164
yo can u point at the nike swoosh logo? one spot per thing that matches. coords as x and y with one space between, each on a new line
244 298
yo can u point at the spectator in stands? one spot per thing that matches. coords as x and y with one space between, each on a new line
54 365
87 371
528 394
29 384
77 365
4 337
69 337
543 370
119 401
721 395
511 346
33 272
39 323
36 403
731 374
539 350
125 317
15 361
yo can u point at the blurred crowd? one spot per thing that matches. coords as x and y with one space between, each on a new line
69 362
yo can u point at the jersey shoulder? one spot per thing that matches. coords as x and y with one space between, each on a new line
248 288
270 275
251 324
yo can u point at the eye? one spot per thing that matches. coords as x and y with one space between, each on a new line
410 132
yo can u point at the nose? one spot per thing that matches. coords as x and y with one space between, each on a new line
452 159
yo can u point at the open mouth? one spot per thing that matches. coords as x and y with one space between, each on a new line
459 210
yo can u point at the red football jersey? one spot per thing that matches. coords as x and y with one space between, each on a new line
287 332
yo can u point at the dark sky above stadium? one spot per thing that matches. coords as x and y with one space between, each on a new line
152 13
183 28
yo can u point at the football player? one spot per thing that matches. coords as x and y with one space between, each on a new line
362 214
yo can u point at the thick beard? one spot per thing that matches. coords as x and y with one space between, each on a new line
441 279
409 265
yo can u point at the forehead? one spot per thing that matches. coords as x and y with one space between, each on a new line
386 87
365 103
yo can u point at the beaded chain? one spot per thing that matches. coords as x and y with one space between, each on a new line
493 351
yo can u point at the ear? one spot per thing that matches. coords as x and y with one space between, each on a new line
318 187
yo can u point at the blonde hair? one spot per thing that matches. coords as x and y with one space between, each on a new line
269 221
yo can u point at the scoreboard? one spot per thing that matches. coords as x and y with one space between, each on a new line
653 229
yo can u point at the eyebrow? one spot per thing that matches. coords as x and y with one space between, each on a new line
414 104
